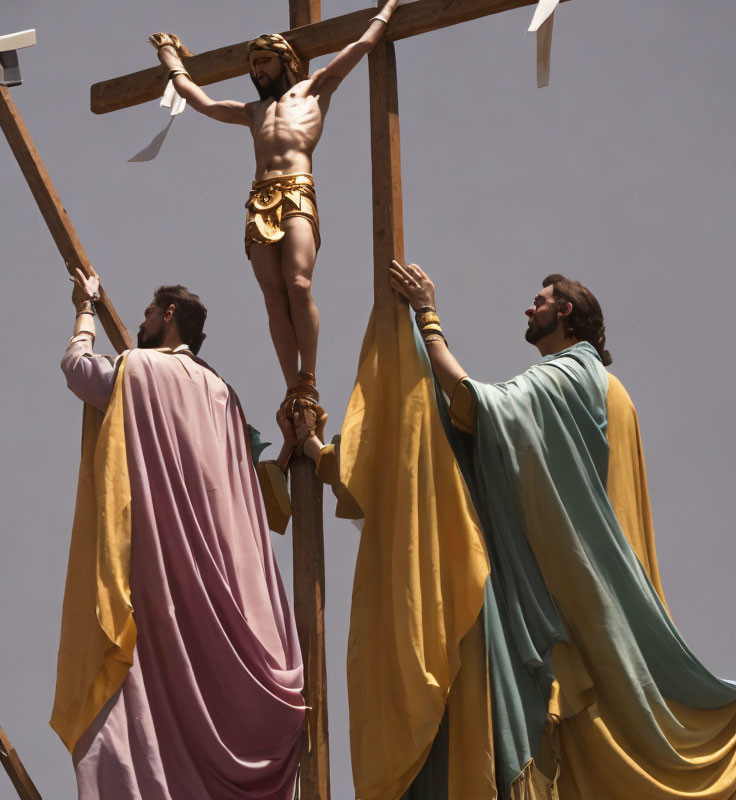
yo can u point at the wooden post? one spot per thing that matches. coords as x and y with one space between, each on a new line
309 575
55 214
304 12
388 212
15 769
309 610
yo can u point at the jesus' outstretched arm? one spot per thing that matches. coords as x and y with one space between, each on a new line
326 80
169 47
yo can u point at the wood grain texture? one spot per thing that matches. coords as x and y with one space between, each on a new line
304 12
307 532
388 211
310 41
309 610
55 214
16 771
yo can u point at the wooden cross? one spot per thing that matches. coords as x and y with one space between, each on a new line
16 771
311 37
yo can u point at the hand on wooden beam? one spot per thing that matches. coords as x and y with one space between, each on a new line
413 284
86 289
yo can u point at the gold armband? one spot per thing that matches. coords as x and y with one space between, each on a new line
428 323
426 318
175 72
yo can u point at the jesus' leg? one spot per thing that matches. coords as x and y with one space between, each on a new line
266 263
298 254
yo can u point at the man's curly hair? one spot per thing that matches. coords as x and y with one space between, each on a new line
190 313
586 318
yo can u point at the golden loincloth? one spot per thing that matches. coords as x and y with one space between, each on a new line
275 199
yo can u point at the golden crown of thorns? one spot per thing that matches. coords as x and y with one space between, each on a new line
276 44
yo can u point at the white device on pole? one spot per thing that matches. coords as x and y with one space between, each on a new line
10 43
15 41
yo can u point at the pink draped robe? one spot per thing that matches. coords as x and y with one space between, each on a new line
212 707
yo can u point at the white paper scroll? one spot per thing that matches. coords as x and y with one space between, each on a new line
544 10
542 22
173 100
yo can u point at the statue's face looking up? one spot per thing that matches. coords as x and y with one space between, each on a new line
542 315
151 330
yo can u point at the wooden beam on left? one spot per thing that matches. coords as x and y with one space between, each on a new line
16 771
55 214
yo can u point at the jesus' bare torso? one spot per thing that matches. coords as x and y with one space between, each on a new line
286 124
286 131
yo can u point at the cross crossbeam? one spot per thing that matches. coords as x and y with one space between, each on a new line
310 41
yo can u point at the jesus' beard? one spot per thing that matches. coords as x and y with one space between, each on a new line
276 89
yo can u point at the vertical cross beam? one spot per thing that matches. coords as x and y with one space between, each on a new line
55 214
304 12
309 575
16 771
388 211
309 610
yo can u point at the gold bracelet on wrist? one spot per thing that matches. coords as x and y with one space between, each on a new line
428 318
178 71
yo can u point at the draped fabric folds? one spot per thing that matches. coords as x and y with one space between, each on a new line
419 578
98 632
171 531
594 692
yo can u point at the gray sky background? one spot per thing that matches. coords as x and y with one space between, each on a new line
620 174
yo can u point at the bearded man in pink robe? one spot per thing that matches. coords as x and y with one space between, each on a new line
179 672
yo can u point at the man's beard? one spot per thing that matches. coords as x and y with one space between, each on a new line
152 341
536 332
276 88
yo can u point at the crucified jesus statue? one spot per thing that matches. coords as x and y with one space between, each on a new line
282 223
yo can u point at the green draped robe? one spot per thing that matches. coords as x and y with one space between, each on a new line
594 691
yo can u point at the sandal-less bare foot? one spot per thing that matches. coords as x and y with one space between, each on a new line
309 424
290 440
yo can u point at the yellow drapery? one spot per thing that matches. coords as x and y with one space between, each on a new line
419 578
627 479
596 759
97 630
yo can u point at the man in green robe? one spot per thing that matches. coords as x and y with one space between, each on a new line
594 692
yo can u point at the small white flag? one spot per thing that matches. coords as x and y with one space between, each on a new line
173 100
